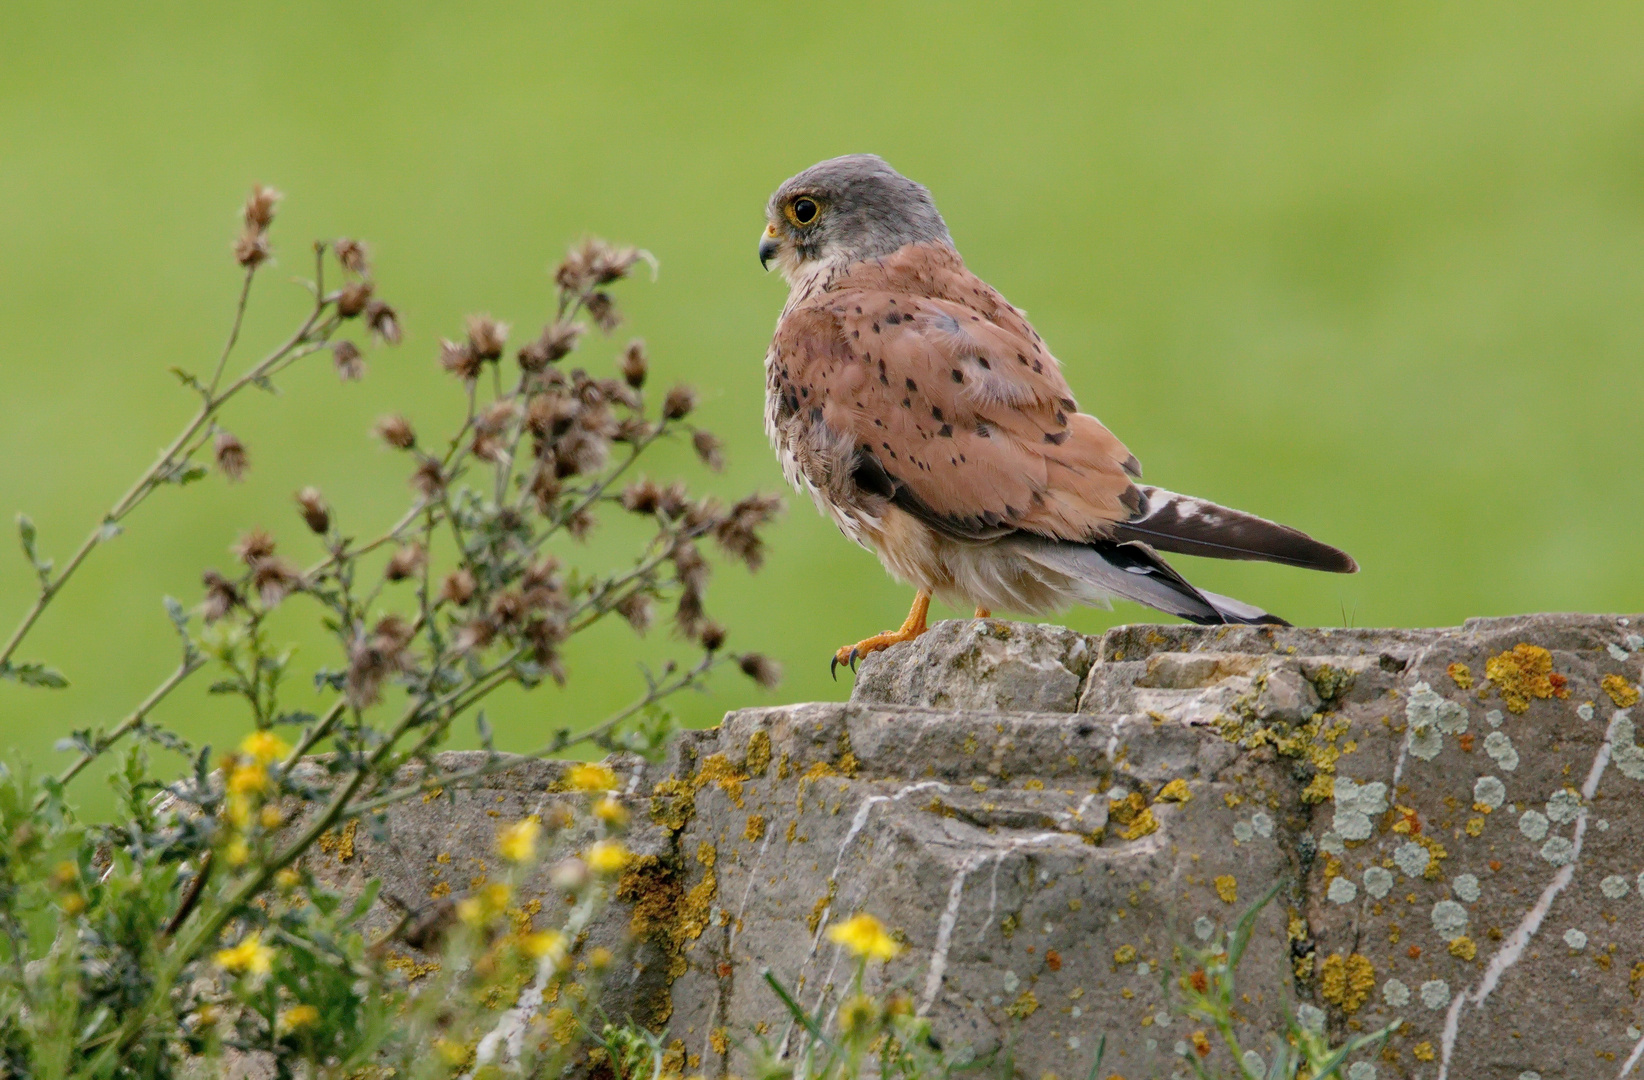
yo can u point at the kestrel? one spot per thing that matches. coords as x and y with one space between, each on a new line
926 417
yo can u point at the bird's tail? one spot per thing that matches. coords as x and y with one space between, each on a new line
1189 526
1134 571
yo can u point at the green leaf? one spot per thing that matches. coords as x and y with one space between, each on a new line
1247 925
188 380
367 898
34 675
177 614
25 529
184 472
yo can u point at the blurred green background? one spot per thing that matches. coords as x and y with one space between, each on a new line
1374 270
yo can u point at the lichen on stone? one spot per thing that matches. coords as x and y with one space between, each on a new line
1356 804
1176 791
758 757
1621 692
1500 748
1227 887
754 831
1488 794
1460 675
1346 981
1523 674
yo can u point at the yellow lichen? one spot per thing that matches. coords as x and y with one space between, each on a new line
720 1039
1127 809
340 844
1034 785
1232 799
1227 887
1423 1051
1460 675
1024 1006
755 829
1523 674
1296 929
1320 789
758 758
1624 695
1176 791
1125 954
1635 981
1436 850
821 906
718 770
1474 826
1463 948
412 969
1347 980
673 802
1144 824
820 771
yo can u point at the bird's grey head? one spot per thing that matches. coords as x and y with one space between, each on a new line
845 209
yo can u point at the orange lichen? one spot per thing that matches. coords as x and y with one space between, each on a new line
1524 674
1624 695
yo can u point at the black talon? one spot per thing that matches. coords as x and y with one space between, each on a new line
853 661
833 667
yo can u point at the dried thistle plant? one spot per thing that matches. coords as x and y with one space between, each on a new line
472 589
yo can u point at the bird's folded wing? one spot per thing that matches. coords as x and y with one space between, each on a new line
961 418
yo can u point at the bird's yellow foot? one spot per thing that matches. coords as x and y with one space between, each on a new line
983 613
911 628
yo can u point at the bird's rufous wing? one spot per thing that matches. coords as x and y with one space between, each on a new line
957 412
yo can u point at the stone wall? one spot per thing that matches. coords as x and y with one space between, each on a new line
1458 815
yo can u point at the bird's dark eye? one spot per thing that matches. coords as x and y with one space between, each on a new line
804 211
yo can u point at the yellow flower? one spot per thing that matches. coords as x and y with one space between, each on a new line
542 943
237 852
865 936
271 817
264 747
471 911
607 857
496 895
452 1052
599 958
299 1016
289 878
247 778
591 776
249 955
518 842
238 812
611 812
858 1015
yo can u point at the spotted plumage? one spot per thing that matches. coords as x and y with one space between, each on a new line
926 417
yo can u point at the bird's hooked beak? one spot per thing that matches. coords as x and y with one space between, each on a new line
768 246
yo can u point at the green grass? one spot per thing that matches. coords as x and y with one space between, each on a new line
1371 270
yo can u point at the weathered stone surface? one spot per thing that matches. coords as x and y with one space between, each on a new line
1459 814
983 665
